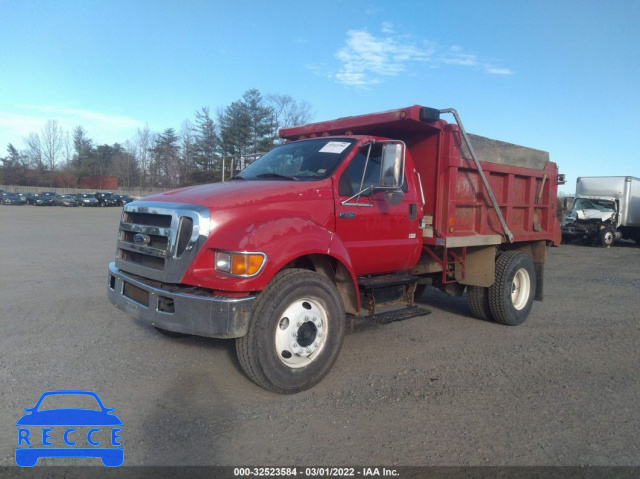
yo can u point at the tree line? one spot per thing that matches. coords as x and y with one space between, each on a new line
204 150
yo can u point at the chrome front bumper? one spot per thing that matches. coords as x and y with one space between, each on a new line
182 312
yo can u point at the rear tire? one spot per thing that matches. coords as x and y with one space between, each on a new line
511 295
479 302
295 333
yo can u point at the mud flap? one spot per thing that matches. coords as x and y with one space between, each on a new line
539 281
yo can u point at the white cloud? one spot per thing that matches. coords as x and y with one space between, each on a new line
455 55
366 59
498 71
388 28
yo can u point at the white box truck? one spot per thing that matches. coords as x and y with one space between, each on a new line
605 209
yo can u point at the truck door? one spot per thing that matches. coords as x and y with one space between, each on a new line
380 237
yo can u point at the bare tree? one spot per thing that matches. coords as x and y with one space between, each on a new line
34 151
67 150
188 140
123 164
52 143
143 141
288 112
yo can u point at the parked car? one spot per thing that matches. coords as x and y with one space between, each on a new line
11 199
106 198
123 199
66 200
86 199
45 198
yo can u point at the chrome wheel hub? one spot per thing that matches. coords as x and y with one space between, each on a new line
301 333
520 289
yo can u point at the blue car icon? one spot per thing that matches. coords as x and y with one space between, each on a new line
97 422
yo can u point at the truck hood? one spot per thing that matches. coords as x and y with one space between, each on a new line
588 215
246 193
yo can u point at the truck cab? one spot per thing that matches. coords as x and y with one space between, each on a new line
592 219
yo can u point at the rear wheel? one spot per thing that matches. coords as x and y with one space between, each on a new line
479 302
295 334
511 295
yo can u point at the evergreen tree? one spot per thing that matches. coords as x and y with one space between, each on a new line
246 126
206 141
83 146
13 166
165 159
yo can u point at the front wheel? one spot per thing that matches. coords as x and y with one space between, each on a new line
606 237
511 295
295 334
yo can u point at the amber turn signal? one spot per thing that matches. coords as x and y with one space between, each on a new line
239 264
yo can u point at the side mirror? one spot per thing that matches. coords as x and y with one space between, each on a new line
392 166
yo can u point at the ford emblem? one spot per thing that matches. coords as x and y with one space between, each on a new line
140 238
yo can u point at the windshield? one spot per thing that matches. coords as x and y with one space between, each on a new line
301 160
591 204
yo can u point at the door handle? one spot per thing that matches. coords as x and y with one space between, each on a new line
413 211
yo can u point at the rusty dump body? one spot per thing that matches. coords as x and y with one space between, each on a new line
457 206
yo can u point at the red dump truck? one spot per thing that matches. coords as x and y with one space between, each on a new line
348 218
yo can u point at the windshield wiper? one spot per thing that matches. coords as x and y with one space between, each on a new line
277 176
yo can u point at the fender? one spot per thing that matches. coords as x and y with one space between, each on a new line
283 240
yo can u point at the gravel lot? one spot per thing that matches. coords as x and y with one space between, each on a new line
443 389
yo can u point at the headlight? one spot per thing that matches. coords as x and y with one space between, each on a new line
239 264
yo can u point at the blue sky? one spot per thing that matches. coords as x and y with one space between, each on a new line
561 76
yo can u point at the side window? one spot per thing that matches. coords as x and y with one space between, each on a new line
352 177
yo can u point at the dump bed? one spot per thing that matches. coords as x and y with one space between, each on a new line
458 210
461 205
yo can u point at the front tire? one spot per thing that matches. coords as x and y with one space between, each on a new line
511 295
295 334
606 237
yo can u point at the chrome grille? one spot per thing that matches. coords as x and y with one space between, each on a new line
159 240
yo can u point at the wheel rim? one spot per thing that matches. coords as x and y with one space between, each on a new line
520 288
301 333
608 238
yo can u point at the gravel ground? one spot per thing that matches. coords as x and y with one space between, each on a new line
444 389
